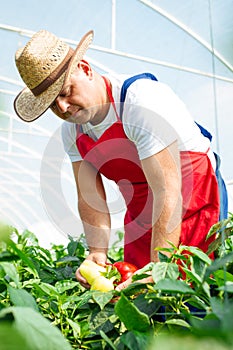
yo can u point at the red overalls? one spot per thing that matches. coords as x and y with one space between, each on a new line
116 157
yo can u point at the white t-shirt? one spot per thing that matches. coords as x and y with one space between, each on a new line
153 117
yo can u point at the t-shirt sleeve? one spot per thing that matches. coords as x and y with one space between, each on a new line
146 118
69 134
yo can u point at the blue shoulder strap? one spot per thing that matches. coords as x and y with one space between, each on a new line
128 82
206 133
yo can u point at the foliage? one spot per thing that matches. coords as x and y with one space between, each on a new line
189 304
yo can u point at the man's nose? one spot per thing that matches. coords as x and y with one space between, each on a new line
62 104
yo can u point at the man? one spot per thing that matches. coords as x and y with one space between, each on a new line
136 132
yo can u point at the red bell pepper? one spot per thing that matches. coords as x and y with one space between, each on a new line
125 269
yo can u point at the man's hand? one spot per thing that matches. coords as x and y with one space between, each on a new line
99 258
126 283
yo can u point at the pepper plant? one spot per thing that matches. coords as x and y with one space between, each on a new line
44 306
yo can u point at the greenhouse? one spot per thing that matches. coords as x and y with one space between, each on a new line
186 45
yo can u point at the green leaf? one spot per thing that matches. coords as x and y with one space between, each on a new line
197 303
220 238
146 268
163 270
6 231
23 257
84 298
223 311
101 298
131 316
7 256
20 297
10 272
198 266
168 250
135 288
145 305
67 259
218 264
46 288
37 331
75 327
213 246
136 340
178 322
218 307
186 342
163 257
192 275
43 255
2 273
228 287
206 288
64 285
144 272
108 340
223 276
100 320
217 227
29 283
76 248
11 339
172 286
139 277
197 252
47 276
29 238
65 272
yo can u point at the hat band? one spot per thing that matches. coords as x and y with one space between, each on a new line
45 84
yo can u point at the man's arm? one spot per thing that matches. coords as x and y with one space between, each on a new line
163 174
93 212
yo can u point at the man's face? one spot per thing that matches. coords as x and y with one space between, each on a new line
78 101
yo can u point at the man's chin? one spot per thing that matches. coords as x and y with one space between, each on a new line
77 120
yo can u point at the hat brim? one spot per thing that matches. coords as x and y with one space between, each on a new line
29 107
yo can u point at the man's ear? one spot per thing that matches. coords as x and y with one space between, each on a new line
86 68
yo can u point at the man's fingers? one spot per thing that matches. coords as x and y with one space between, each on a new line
81 279
124 284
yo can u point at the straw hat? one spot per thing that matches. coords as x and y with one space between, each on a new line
44 64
